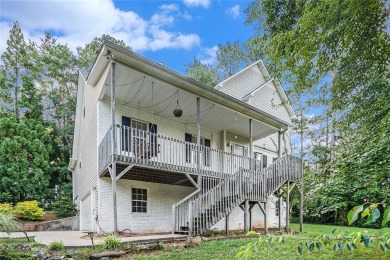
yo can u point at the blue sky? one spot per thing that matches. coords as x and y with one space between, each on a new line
172 32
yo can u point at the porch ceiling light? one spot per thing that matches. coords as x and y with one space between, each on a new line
177 112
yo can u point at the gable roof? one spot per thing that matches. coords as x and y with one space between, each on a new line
268 79
258 63
138 62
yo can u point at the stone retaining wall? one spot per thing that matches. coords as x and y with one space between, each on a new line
64 224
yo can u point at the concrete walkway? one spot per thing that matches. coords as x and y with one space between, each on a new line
78 238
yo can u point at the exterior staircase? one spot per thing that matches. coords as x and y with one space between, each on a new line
199 212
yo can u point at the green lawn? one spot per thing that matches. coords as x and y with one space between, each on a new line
227 249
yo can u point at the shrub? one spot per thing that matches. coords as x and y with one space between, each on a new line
8 223
64 207
56 246
6 207
29 210
111 242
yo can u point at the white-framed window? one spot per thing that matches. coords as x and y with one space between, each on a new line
139 200
276 212
194 140
139 125
239 149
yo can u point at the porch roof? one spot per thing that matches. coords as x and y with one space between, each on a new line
134 70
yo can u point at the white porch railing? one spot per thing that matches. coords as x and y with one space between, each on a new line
154 150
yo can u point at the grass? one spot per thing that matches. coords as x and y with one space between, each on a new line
227 249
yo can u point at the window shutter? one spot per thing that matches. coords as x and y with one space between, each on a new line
126 121
125 139
153 139
207 143
264 161
188 138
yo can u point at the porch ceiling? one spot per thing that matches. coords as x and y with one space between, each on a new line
133 88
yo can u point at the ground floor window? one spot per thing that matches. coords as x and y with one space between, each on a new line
139 198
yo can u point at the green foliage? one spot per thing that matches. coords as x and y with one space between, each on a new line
111 242
28 210
11 251
89 52
338 240
56 246
8 223
203 72
6 207
63 205
24 154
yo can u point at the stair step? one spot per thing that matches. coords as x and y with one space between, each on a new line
181 232
184 228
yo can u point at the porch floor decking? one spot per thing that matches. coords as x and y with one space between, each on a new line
150 174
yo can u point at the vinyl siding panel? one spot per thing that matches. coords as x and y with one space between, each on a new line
86 173
268 100
243 83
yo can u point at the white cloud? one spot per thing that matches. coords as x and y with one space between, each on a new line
233 11
210 55
194 3
78 22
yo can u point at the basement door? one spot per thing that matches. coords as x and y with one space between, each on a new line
85 214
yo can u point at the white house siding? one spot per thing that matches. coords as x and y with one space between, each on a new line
243 83
85 173
159 206
165 126
268 100
236 217
270 143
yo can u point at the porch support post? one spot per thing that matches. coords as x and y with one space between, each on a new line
227 224
300 189
251 144
280 210
264 211
113 147
265 217
288 207
280 192
280 133
246 216
198 132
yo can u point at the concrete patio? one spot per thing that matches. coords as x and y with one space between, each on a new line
80 239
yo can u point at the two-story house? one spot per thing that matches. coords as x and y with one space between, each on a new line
156 151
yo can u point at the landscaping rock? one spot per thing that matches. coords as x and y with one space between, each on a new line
194 240
106 254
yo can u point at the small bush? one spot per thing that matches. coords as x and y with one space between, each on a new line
8 223
6 207
64 207
161 245
111 242
56 246
28 210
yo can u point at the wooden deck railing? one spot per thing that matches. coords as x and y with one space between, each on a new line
154 150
